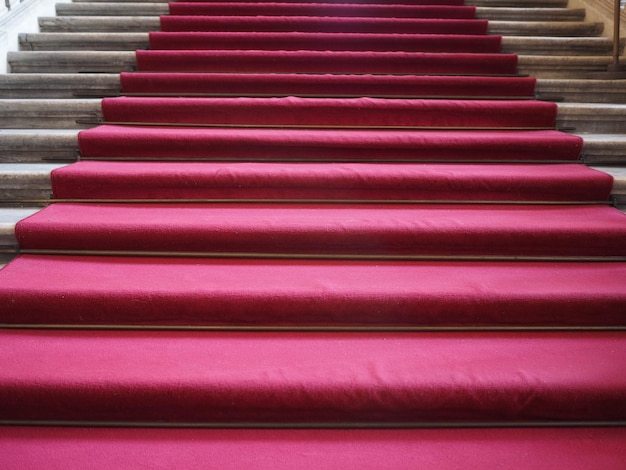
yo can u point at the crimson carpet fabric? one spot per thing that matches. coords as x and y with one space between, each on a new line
323 24
325 42
318 181
326 9
106 448
346 62
316 218
181 84
326 229
92 290
194 143
331 112
311 377
396 2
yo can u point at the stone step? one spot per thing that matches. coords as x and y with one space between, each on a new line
478 3
31 181
539 66
582 90
111 9
555 67
156 9
38 145
598 118
593 118
21 181
98 24
77 85
515 3
143 24
604 149
134 41
48 113
83 41
85 85
61 146
71 62
558 46
9 216
530 14
545 28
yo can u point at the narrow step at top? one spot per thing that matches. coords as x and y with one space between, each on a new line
265 9
299 378
139 24
314 9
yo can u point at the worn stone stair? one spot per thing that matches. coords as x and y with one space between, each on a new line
59 74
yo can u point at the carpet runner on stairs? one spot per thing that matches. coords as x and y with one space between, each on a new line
407 242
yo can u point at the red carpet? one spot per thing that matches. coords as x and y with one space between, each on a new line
406 449
326 62
325 229
254 144
318 181
325 41
317 216
322 24
94 290
311 377
416 86
331 112
317 9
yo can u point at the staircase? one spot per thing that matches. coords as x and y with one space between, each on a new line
360 337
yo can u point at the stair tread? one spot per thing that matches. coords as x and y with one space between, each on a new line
305 377
349 230
310 449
